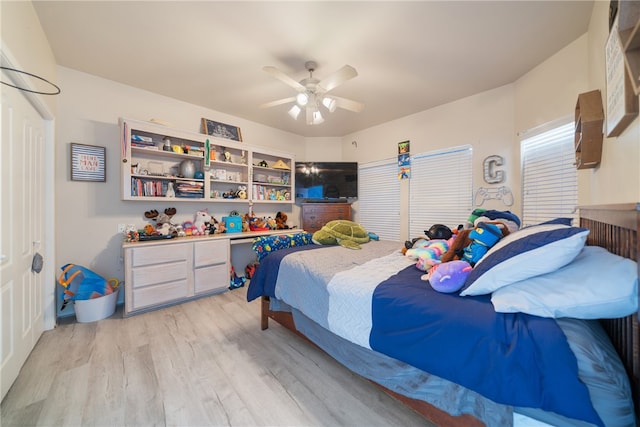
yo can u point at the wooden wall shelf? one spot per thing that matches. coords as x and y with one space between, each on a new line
589 119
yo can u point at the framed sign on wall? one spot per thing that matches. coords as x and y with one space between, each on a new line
622 104
88 163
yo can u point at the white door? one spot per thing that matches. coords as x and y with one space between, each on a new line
22 211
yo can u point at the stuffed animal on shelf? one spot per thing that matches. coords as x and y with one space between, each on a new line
201 223
163 221
449 276
281 221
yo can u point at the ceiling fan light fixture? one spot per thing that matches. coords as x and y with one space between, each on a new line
330 103
302 99
317 117
294 112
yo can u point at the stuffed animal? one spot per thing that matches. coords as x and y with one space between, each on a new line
483 237
236 281
281 221
163 220
427 253
341 232
201 223
448 277
242 192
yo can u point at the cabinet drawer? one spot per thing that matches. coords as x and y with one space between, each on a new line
211 252
159 254
161 273
158 294
211 278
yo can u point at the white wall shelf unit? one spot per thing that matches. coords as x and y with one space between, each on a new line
152 157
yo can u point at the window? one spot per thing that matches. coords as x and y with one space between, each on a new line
549 176
440 189
379 198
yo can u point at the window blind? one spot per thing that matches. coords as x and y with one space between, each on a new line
440 189
549 176
379 198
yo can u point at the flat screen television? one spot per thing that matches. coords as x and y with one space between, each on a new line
326 181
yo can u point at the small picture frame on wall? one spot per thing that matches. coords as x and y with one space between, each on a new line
221 130
88 163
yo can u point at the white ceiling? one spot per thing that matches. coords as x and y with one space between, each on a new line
410 56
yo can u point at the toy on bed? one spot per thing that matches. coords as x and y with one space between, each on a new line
448 277
483 237
427 253
341 232
164 226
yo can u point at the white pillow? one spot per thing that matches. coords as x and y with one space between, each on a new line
532 251
595 285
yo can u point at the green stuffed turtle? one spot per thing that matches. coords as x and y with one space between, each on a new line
345 233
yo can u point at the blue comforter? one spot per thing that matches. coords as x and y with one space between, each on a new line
512 359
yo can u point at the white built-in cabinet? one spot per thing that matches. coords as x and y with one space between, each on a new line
164 272
154 157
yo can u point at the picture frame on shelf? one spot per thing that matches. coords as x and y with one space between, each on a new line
88 162
621 102
221 130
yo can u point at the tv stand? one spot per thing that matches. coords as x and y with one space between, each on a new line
317 213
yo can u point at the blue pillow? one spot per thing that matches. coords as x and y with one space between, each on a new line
595 285
529 252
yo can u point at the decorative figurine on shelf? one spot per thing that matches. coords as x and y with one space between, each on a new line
263 164
242 192
243 157
167 144
170 191
227 155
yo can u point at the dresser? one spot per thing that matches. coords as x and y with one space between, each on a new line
315 215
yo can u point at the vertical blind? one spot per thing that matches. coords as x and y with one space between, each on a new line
549 176
440 189
379 198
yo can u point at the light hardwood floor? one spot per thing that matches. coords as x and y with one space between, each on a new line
202 363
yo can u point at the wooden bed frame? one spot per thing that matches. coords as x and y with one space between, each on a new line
613 227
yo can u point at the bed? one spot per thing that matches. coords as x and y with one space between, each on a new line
455 359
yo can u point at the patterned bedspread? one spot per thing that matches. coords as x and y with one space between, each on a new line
374 297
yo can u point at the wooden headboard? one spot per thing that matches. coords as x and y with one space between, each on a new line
616 228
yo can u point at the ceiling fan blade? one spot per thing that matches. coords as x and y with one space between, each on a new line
336 79
278 102
348 104
284 78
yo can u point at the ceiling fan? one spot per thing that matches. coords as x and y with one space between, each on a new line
313 92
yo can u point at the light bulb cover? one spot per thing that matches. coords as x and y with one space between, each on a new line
294 112
302 99
330 103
